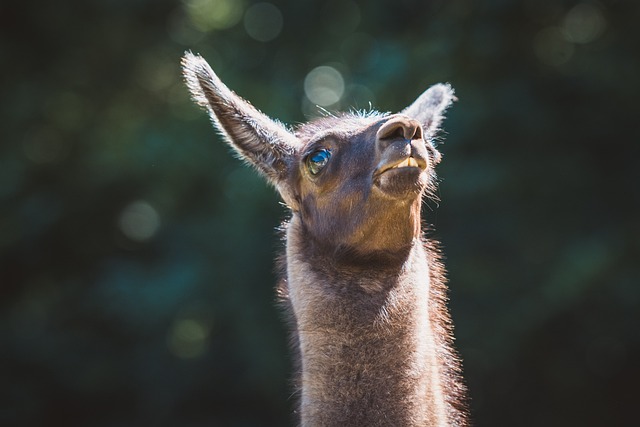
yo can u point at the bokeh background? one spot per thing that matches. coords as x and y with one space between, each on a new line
136 271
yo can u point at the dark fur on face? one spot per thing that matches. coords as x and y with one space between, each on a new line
364 289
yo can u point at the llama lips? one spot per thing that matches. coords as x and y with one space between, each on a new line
409 163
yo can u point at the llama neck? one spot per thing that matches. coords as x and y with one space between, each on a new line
367 347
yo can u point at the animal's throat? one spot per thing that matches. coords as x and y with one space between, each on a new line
383 243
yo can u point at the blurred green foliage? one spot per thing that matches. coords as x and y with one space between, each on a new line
136 253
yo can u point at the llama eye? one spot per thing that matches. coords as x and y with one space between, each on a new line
318 160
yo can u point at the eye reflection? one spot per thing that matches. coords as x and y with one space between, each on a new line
318 160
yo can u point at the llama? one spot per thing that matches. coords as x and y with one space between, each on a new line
365 289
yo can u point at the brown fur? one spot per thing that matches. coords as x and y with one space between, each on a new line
364 289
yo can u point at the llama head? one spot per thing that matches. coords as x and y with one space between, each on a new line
354 180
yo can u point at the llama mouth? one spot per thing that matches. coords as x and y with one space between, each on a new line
407 163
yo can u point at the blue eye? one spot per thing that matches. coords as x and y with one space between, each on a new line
318 160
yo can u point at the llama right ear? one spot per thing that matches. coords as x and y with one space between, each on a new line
263 142
429 108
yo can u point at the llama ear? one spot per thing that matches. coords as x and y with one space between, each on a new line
263 142
429 108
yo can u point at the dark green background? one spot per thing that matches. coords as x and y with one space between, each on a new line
178 327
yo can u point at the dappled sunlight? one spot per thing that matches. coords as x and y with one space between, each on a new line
188 338
324 86
584 23
139 221
555 45
208 15
263 21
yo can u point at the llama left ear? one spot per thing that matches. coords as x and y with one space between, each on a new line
429 108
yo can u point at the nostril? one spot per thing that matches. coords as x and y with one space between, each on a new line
396 133
417 134
400 128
